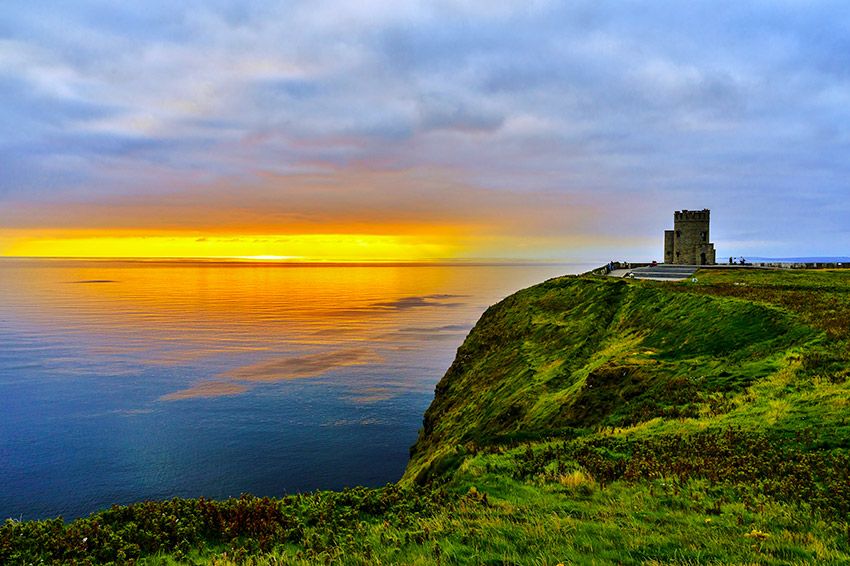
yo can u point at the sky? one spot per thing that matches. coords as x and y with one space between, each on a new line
386 129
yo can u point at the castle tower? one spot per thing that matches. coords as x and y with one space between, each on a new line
688 242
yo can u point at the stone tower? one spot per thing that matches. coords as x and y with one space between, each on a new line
688 242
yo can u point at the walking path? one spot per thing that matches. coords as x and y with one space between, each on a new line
662 272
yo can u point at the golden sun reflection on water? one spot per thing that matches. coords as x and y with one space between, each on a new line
260 323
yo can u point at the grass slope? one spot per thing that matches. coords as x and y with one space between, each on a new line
584 420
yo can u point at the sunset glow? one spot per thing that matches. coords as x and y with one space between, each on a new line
297 247
374 131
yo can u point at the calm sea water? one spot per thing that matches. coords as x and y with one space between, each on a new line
126 381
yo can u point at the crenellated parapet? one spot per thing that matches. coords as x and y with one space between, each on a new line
692 215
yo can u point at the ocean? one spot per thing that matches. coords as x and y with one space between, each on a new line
122 381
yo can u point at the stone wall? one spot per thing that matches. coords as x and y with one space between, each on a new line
668 245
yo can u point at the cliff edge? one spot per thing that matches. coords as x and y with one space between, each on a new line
575 355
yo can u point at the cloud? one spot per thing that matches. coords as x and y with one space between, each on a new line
528 119
442 113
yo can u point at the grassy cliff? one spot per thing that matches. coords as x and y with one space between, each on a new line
584 420
574 355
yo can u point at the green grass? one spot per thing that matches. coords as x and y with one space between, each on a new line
580 353
585 420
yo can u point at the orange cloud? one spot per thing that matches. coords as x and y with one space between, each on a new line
355 199
351 213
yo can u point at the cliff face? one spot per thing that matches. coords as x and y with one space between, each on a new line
574 354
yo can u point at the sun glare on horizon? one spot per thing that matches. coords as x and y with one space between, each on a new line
291 247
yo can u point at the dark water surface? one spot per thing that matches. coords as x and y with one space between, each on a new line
125 381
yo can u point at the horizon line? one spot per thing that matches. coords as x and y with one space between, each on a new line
305 263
